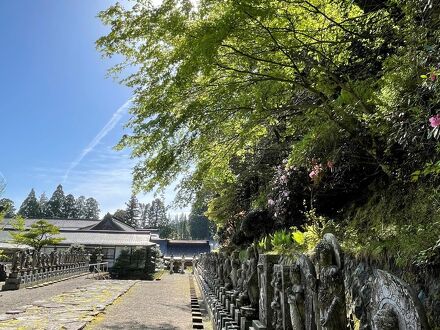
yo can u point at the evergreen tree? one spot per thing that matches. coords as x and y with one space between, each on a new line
42 202
157 214
132 211
7 208
69 207
199 224
143 221
91 209
120 215
184 227
56 202
30 207
40 234
80 207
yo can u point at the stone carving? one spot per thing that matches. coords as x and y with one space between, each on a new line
182 265
15 262
394 304
35 259
28 260
266 264
171 264
276 305
235 266
296 299
227 269
253 290
386 319
331 292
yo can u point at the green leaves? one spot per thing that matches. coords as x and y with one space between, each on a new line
40 234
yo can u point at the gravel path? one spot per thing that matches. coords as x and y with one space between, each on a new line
14 299
152 305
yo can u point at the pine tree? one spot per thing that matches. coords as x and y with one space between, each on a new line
69 209
156 214
91 209
132 211
55 204
120 215
143 221
199 225
42 202
30 207
80 207
7 208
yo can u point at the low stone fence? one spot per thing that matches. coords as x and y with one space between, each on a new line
31 268
305 293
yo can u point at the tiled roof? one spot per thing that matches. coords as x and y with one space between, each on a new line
95 238
61 223
105 238
188 242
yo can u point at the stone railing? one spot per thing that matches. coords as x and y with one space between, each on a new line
31 268
308 293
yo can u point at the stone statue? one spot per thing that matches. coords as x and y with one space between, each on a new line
35 259
220 273
52 258
182 265
243 295
57 258
394 304
235 265
227 269
295 294
171 264
252 278
40 260
28 260
15 261
277 321
194 263
331 293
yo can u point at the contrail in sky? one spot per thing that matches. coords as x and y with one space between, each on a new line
102 133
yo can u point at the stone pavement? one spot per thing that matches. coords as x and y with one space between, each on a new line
151 305
69 310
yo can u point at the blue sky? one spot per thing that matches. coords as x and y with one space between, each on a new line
60 115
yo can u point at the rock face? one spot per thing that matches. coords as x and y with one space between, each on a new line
324 291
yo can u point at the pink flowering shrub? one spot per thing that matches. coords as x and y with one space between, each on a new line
434 121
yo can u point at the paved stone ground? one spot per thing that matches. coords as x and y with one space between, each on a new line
152 305
69 310
14 299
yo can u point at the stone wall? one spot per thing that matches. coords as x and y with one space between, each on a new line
320 291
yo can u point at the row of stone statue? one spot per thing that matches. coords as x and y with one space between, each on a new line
311 292
29 260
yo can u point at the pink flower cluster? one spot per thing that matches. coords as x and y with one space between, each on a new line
435 121
316 170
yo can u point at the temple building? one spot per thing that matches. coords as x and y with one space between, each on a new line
110 235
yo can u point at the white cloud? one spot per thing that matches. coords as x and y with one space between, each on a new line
107 177
116 117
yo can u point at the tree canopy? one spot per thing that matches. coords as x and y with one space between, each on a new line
269 109
40 234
